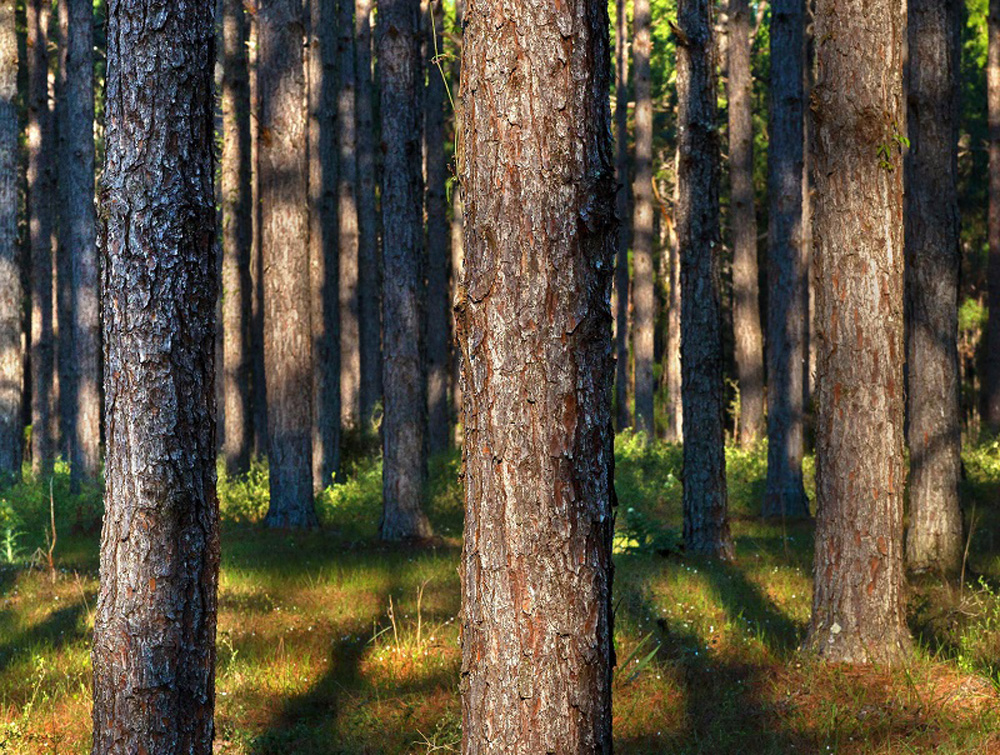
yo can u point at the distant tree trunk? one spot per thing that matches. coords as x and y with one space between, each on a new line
991 382
706 527
154 634
535 333
624 415
807 288
288 331
237 230
258 383
933 258
858 609
746 305
64 381
672 358
785 494
457 241
11 301
404 376
41 148
643 299
369 281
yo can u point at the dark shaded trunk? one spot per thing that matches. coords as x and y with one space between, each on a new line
621 290
674 431
259 382
785 494
535 333
858 609
991 353
154 634
706 527
64 418
933 260
746 306
404 376
285 246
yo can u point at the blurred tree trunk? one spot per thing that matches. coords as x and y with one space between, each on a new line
746 304
706 526
933 261
259 382
404 375
64 380
535 333
991 381
621 299
672 356
786 319
285 241
858 607
457 241
154 634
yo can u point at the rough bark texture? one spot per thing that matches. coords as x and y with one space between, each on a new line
621 290
154 635
933 259
11 302
404 376
643 298
288 332
259 383
237 227
991 378
674 431
785 494
858 608
438 295
746 306
706 528
535 330
41 148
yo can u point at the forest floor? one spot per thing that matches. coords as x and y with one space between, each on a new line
331 643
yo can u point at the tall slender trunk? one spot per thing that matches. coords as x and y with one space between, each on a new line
991 381
64 380
154 634
746 305
457 241
285 240
706 527
858 609
404 375
933 261
258 382
535 333
785 494
621 299
672 358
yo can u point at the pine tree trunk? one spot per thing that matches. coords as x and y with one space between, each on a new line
259 382
621 299
706 527
154 635
457 241
991 381
933 259
672 358
11 302
404 376
284 195
785 494
858 608
535 334
64 385
746 306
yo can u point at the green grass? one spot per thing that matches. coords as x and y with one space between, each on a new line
312 659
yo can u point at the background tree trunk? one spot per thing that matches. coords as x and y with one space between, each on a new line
786 319
288 332
535 331
706 528
672 359
621 299
259 382
991 381
933 260
457 241
858 610
154 634
404 376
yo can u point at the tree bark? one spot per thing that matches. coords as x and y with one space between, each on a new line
404 375
621 290
991 381
457 241
259 382
535 330
786 319
706 527
285 240
858 609
154 635
746 306
672 358
933 260
11 301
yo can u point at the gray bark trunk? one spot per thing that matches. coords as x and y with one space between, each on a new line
672 358
535 333
991 378
259 382
621 290
154 635
457 241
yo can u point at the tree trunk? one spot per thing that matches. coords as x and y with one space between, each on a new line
259 382
404 376
672 358
285 241
786 319
746 306
624 415
457 242
154 634
991 381
643 299
535 330
64 380
40 188
237 237
706 527
11 302
858 609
